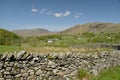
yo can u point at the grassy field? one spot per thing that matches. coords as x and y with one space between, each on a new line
48 49
110 74
71 40
86 42
4 49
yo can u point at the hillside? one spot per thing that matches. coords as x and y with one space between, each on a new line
97 27
32 32
7 37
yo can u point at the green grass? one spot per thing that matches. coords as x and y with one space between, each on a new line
110 74
4 49
82 74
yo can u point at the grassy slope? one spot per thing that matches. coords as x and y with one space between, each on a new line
97 27
8 38
110 74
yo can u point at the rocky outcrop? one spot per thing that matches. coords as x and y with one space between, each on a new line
54 66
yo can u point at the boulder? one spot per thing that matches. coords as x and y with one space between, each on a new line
4 57
39 72
20 54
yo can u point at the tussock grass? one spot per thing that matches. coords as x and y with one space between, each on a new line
112 73
64 49
48 49
82 74
109 74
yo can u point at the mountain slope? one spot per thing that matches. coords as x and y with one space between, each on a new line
7 37
32 32
97 27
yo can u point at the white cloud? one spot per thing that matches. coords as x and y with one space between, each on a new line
58 14
49 13
43 10
77 16
34 10
67 13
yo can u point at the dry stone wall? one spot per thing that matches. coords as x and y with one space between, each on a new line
54 66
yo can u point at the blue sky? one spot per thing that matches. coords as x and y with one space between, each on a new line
56 15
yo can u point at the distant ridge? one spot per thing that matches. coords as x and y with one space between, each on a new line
96 27
32 32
